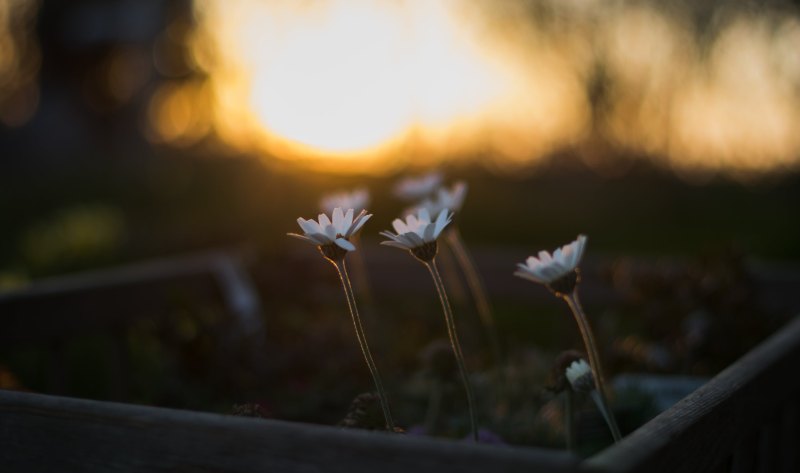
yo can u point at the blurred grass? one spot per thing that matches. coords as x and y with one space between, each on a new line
178 204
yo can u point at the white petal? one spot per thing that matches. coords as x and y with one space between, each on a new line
424 215
320 238
358 223
330 232
348 218
395 244
581 247
528 276
414 239
441 221
324 221
550 273
338 220
345 244
430 232
400 226
559 255
309 226
302 237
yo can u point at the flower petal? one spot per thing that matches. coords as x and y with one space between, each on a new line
527 275
395 244
423 215
309 226
400 226
559 255
324 221
441 221
338 220
302 237
348 218
358 223
388 235
429 234
414 239
580 249
342 243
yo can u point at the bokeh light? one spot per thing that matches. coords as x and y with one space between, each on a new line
19 62
356 85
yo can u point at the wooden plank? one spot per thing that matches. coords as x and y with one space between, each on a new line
40 433
703 429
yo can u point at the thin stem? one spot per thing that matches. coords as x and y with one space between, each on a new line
477 288
594 359
451 330
362 341
604 409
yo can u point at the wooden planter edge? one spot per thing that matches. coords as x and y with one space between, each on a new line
720 419
49 433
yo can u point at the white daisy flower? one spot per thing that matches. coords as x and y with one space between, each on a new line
418 233
579 375
329 232
451 199
547 269
420 187
357 200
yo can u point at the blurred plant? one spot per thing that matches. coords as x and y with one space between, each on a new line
579 375
332 240
74 237
453 200
559 272
357 200
418 234
439 367
420 187
364 413
697 315
560 383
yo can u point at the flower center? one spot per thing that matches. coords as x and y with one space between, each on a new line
333 252
426 252
564 285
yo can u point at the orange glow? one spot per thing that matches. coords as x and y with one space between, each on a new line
367 85
359 80
19 62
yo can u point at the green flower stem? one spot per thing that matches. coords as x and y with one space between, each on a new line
451 330
594 361
477 288
362 341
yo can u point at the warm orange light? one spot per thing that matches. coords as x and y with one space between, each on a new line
361 85
359 80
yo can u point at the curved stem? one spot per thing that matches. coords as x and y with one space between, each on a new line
362 341
594 360
451 330
477 288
